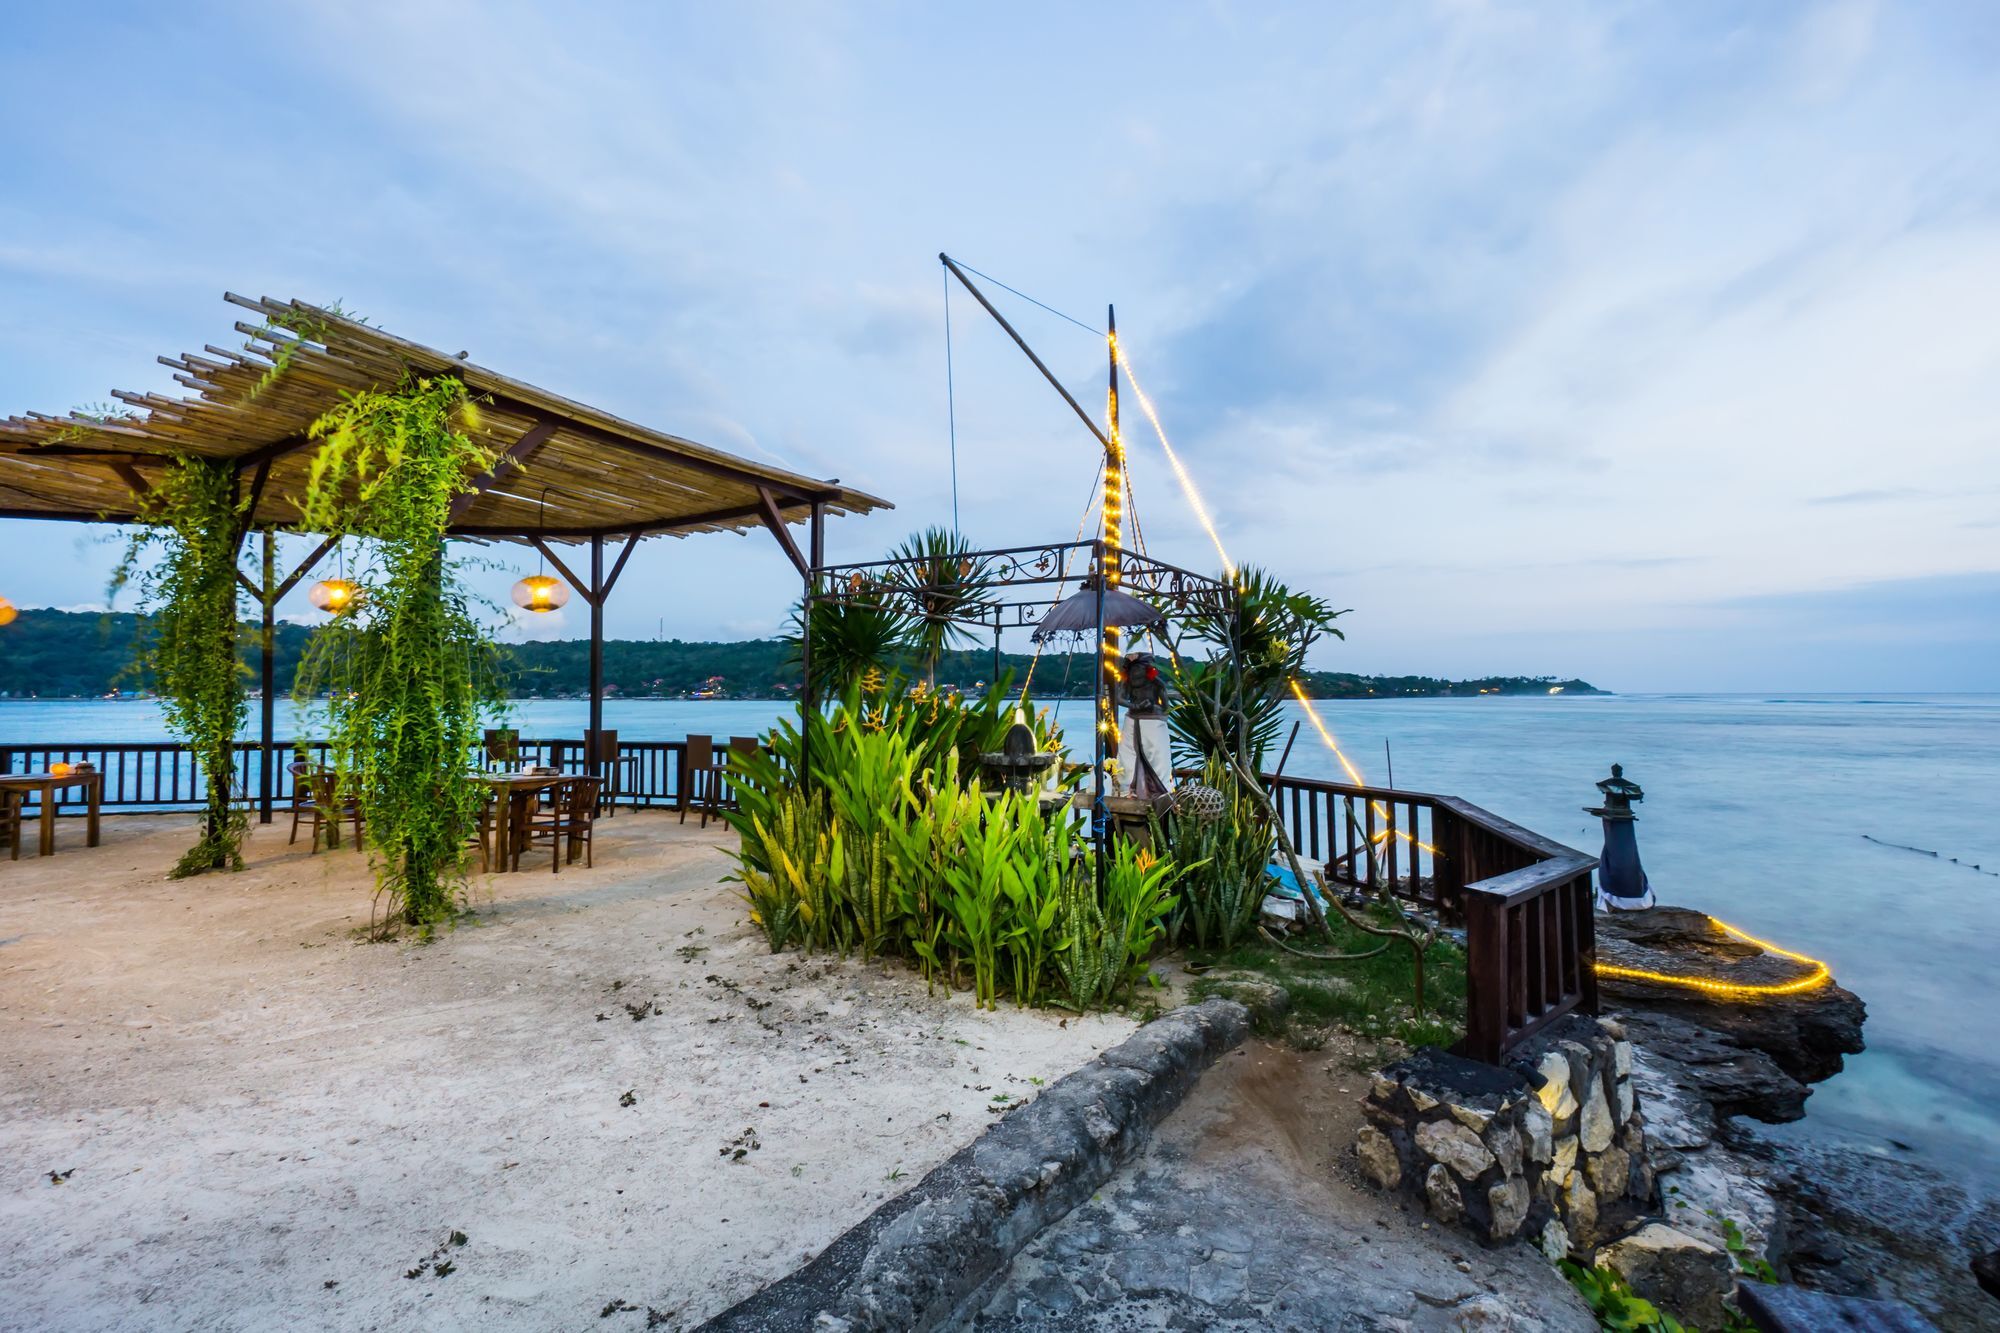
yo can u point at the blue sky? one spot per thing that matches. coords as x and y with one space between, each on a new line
1651 343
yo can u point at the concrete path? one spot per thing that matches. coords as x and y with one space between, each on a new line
1246 1213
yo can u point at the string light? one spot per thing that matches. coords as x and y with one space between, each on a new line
1819 975
1194 499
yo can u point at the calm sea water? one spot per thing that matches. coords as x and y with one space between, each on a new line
1755 810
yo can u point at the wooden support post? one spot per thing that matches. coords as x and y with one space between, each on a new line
816 546
267 712
596 646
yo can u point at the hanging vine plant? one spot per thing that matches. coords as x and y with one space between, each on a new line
410 679
193 525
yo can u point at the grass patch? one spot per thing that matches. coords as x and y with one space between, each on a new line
1373 998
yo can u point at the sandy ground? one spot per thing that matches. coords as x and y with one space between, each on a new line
257 1121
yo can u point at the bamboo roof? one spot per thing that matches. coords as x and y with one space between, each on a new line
603 476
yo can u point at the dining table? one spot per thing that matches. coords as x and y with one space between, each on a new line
15 788
512 791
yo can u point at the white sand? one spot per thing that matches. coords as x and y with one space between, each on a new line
269 1123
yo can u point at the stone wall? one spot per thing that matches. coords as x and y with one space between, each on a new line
1551 1146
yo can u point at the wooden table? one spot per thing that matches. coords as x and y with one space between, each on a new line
14 787
512 791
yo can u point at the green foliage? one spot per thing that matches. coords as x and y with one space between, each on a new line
850 639
889 850
194 528
1105 944
1257 653
1371 996
1222 865
409 679
1611 1298
937 581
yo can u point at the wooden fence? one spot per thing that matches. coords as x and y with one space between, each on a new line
163 775
1526 903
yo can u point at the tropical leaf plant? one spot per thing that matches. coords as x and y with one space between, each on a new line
410 683
192 526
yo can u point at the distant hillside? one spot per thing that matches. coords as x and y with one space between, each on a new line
72 654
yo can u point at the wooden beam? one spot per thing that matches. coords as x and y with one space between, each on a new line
618 567
305 567
767 509
264 453
130 476
693 462
508 463
583 590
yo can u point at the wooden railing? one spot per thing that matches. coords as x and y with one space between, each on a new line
164 775
1526 902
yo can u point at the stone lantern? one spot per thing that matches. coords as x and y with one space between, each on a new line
1621 880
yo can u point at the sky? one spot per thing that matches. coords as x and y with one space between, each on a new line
1648 343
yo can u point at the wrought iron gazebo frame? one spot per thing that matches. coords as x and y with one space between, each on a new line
1021 573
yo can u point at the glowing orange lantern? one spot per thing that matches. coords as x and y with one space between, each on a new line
541 592
334 595
7 612
61 770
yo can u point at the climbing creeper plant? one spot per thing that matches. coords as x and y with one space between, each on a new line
409 678
193 523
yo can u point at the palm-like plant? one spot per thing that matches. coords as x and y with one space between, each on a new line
1260 649
851 638
940 579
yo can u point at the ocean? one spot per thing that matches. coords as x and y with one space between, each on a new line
1759 809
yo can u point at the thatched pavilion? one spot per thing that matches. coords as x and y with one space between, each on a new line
596 478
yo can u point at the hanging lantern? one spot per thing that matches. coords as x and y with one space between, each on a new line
334 595
541 592
7 612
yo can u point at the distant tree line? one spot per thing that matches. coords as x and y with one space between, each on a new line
83 654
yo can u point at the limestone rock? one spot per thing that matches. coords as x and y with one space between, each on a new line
1805 1033
1420 1099
1508 1201
1541 1127
1621 1057
1555 1092
1473 1118
1626 1101
1505 1145
1675 1271
1733 1078
1455 1146
1609 1172
1446 1202
1579 1206
1595 1129
1554 1241
1564 1159
1379 1161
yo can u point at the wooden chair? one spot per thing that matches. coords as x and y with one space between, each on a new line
600 760
10 821
738 745
482 834
329 804
567 825
704 780
503 746
302 797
